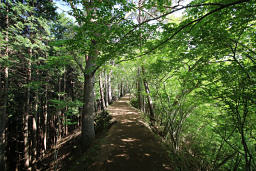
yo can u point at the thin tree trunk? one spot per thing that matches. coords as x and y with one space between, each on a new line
95 103
45 113
88 133
246 150
59 120
109 88
121 89
139 91
3 119
39 132
64 98
150 104
26 116
106 89
102 99
34 140
4 94
118 91
34 127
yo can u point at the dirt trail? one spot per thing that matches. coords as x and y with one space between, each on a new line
128 145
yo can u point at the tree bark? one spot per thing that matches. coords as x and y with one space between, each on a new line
26 115
88 133
139 90
65 117
102 99
45 113
4 94
150 104
121 89
106 89
34 124
3 119
59 115
109 88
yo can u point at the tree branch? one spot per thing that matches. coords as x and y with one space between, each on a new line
78 63
192 22
184 7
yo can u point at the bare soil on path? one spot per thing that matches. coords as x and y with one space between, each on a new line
128 145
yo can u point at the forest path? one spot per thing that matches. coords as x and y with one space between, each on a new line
128 145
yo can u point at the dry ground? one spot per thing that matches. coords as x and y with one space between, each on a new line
127 146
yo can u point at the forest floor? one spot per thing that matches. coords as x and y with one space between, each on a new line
129 145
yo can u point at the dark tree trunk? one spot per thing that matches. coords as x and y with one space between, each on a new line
139 91
26 115
4 100
3 119
121 89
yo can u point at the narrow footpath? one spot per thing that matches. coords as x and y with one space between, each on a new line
128 145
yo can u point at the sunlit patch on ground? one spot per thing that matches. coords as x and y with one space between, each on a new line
131 113
167 167
129 140
129 145
109 161
126 121
146 154
126 156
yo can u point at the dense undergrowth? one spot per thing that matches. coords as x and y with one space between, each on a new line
200 146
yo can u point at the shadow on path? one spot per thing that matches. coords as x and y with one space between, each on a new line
129 145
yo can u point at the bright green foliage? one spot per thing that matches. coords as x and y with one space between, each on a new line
200 69
202 80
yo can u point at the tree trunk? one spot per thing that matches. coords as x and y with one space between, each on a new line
121 89
3 105
150 104
34 140
59 115
64 98
45 113
26 115
247 156
39 131
3 119
102 99
109 88
88 133
35 125
139 90
106 89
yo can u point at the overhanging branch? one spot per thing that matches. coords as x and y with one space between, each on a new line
192 22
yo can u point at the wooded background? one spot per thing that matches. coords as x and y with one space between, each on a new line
193 76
